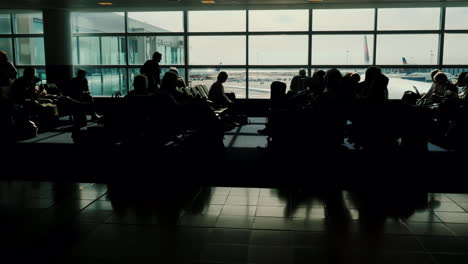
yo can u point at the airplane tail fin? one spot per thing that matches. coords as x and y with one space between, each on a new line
405 62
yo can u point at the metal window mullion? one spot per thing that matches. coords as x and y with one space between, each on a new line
374 52
101 65
247 68
78 53
13 40
127 52
309 59
186 50
440 59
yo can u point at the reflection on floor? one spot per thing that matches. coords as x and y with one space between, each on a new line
139 223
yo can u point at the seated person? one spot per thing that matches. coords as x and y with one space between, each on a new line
299 82
79 91
25 88
140 85
180 81
216 93
441 90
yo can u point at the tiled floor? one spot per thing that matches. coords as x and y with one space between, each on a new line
130 223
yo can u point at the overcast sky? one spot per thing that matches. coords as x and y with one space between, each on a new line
290 50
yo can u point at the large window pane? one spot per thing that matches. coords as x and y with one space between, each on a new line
455 49
5 45
114 80
216 21
94 76
142 48
88 50
260 80
279 20
342 49
113 50
155 22
278 50
403 79
217 50
407 49
348 19
408 18
456 18
28 23
5 24
98 22
235 83
106 81
30 51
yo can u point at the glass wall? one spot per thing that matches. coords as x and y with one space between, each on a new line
257 47
21 37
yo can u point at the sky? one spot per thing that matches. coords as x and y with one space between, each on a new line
326 49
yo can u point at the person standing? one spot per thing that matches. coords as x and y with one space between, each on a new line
152 71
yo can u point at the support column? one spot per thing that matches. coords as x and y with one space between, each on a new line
58 46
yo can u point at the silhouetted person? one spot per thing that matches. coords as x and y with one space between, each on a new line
371 74
298 82
277 102
192 114
140 86
426 98
79 91
7 75
152 71
216 93
180 81
317 83
441 89
25 86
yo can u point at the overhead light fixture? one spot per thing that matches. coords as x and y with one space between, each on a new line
105 3
208 2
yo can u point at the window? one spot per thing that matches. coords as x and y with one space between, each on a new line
235 83
260 80
455 49
217 50
408 18
278 50
155 22
5 45
349 19
106 81
88 50
28 23
113 50
98 22
30 51
5 24
394 49
217 21
279 20
142 48
342 49
455 18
